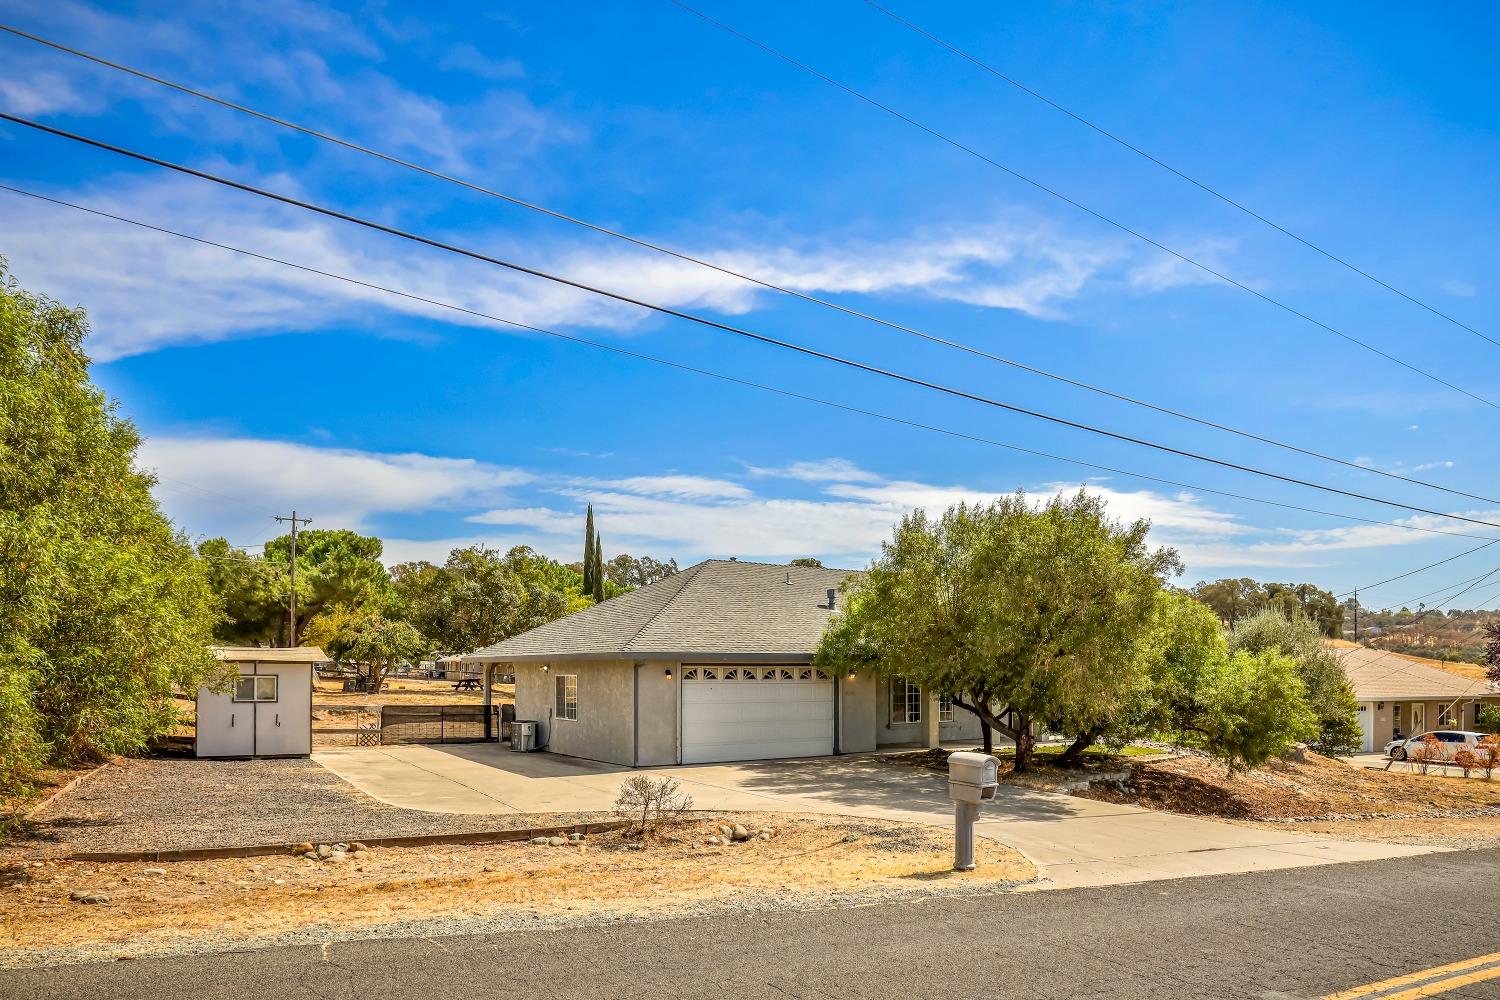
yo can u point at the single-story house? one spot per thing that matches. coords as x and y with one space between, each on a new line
1400 694
711 664
267 711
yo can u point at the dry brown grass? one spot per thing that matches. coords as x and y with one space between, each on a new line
240 898
1284 789
408 691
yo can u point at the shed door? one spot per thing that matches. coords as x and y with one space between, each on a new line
226 728
755 713
283 711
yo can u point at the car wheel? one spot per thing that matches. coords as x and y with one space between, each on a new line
1398 754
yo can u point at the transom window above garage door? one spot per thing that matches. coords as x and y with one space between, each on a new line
755 674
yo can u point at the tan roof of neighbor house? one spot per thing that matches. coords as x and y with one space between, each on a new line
1377 674
717 609
269 654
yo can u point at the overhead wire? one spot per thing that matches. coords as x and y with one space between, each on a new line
1200 185
1080 206
781 344
325 136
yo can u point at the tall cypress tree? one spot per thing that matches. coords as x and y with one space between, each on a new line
588 552
598 567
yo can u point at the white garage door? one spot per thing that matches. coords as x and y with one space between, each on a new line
755 713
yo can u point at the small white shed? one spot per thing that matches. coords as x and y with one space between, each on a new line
268 710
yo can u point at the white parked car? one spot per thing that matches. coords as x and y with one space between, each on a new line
1450 742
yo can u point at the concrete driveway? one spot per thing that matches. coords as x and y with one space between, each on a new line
1075 842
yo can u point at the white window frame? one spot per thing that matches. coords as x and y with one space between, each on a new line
567 697
256 687
905 697
945 709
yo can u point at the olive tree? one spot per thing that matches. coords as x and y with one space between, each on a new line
1023 614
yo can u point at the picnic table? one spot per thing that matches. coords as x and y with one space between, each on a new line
466 684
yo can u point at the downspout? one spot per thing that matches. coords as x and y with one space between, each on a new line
635 724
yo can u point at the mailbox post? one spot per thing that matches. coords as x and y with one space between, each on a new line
972 779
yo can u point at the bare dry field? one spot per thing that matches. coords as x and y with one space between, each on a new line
161 906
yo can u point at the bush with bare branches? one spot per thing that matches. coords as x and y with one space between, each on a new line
1466 761
648 802
1428 754
1488 754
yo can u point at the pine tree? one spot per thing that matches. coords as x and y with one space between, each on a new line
598 566
588 552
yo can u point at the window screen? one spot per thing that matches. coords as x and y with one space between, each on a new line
567 696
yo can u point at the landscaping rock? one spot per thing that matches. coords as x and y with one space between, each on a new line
88 896
541 841
725 829
302 848
324 850
356 847
713 841
311 855
153 871
739 833
359 855
850 838
336 857
575 838
765 835
556 842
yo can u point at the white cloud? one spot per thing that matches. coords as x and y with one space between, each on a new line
689 487
146 291
1461 289
218 484
821 471
465 58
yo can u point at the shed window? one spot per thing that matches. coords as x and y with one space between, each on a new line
255 687
906 701
567 696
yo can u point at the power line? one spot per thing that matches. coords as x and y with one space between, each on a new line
1200 185
1137 234
739 275
1414 572
962 435
724 327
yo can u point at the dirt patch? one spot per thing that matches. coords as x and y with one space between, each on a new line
1460 833
183 804
1043 776
194 905
1321 788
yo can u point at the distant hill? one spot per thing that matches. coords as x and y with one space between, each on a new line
1441 636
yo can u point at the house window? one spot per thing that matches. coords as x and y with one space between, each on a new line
906 702
945 708
567 696
255 687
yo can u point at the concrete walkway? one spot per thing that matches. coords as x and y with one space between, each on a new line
1075 842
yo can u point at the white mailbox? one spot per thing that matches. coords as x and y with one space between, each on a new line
972 779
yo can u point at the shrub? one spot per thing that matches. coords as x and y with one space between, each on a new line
1466 760
1488 754
1428 754
648 802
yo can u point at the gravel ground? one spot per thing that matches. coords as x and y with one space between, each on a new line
183 804
198 907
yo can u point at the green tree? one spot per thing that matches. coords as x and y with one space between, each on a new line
1487 719
598 590
589 570
1024 616
251 591
1252 707
333 567
1284 629
373 643
105 612
807 561
628 572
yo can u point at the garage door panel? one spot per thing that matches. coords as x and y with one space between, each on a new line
725 720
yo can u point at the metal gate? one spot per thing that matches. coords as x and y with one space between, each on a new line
443 723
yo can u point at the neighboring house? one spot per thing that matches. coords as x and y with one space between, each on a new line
1400 694
711 664
267 711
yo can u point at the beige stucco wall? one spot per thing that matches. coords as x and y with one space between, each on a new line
857 712
605 727
965 724
656 741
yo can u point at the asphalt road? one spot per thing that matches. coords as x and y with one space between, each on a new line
1300 933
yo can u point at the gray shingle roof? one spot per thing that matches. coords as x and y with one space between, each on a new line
1380 675
715 609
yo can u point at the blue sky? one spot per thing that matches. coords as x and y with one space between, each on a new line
261 389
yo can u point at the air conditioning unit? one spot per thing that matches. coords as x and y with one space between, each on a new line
523 736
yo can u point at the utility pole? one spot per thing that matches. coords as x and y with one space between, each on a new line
292 605
1356 617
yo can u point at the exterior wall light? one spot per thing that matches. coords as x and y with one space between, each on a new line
545 668
668 671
